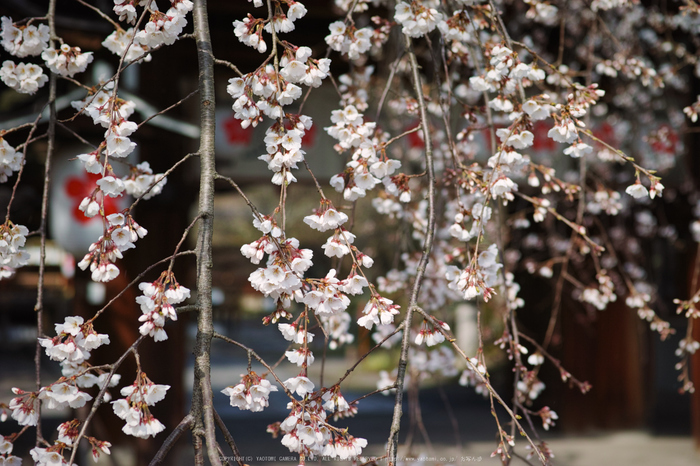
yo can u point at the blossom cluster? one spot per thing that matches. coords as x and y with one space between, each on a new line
23 41
417 18
157 304
251 394
133 408
12 254
349 40
67 60
430 335
479 278
68 433
164 28
103 104
25 78
368 165
121 233
10 160
6 446
121 43
306 431
74 340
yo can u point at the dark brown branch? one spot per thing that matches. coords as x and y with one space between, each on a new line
102 15
174 436
229 65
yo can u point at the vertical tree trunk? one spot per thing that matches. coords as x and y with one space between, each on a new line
202 394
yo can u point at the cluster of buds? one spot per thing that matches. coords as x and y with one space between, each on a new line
692 111
134 407
529 387
252 393
249 32
157 304
396 185
68 433
548 417
431 335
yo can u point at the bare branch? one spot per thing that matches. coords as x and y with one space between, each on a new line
392 444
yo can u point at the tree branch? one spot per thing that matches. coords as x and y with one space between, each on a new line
392 444
202 404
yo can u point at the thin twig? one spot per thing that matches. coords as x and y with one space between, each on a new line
158 178
102 15
165 110
229 438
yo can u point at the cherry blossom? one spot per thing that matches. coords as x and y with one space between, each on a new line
67 60
25 40
133 409
637 190
251 394
25 78
157 304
